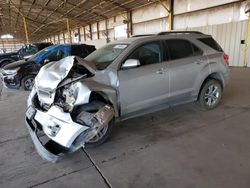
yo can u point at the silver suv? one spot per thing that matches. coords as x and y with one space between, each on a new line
75 102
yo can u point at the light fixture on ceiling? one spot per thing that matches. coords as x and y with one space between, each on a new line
7 36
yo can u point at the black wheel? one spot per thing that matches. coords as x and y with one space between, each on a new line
105 133
28 82
210 94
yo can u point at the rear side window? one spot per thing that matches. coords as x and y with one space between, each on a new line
78 50
178 48
211 43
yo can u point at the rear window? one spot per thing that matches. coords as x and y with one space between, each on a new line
82 50
211 43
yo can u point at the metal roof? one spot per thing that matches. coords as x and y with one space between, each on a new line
47 17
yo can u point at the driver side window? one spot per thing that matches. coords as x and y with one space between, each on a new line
147 54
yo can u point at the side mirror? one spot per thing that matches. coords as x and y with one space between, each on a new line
131 63
46 61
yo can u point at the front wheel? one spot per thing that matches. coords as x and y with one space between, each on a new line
210 94
28 82
103 135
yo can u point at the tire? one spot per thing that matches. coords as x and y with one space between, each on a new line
210 94
28 82
105 133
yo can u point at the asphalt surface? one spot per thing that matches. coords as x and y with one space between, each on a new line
178 147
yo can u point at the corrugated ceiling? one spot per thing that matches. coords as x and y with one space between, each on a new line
47 17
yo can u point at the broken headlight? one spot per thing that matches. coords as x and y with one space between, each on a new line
69 94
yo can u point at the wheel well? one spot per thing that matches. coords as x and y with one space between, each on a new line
214 76
99 96
31 74
6 61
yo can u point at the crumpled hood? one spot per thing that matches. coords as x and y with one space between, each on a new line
50 76
53 73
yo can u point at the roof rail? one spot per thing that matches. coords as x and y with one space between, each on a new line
179 32
143 35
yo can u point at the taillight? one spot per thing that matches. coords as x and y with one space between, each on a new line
226 58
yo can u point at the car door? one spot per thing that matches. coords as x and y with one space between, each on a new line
185 63
146 86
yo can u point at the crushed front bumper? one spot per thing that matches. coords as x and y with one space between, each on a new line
41 150
63 135
53 132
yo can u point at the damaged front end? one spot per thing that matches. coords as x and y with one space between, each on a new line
56 119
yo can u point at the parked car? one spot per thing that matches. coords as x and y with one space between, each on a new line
75 102
25 52
23 72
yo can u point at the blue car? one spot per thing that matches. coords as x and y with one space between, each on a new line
22 73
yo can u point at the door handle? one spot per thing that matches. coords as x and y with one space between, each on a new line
161 71
199 61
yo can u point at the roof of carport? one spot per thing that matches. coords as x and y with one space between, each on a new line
47 17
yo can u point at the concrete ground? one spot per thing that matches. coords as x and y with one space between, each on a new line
178 147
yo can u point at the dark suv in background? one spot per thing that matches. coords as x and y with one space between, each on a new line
25 52
23 72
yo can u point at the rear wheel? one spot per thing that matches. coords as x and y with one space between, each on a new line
210 94
103 135
28 82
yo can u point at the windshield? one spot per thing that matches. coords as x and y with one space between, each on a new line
33 57
104 56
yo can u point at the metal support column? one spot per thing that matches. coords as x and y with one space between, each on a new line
247 49
63 37
171 15
58 38
129 24
68 29
98 32
24 21
25 29
170 12
107 31
84 33
90 31
79 35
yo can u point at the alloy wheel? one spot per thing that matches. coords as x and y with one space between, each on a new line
99 135
212 95
28 84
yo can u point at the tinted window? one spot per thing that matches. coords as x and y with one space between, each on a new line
78 50
149 53
211 43
55 55
43 45
179 49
